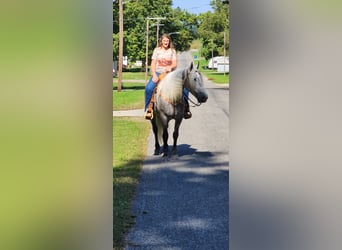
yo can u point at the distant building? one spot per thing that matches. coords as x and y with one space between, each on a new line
213 63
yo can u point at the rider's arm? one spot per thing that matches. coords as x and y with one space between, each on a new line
153 67
153 70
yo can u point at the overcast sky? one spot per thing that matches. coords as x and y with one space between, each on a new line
193 6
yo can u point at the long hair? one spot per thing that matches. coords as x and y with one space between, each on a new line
160 43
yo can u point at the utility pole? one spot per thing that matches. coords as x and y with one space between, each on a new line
146 52
224 36
120 45
224 52
157 35
212 53
147 30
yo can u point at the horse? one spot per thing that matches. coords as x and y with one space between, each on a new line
169 102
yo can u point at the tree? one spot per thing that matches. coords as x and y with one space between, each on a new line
182 24
211 29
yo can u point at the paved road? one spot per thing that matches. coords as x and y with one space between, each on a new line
182 202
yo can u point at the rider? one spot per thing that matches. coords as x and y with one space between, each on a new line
163 61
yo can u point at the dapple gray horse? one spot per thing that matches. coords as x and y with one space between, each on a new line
169 101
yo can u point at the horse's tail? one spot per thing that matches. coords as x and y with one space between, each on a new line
159 131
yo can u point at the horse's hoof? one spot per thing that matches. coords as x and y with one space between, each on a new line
156 152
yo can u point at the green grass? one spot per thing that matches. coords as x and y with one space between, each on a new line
126 100
132 94
129 148
129 84
216 76
133 76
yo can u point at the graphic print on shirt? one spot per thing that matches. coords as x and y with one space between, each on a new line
163 62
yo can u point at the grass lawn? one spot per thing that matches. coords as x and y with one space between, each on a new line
132 95
129 149
216 76
125 100
133 76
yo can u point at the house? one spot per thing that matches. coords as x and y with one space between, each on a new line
213 63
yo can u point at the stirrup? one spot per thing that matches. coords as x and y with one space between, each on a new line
149 114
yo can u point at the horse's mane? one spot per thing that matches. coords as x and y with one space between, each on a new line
171 87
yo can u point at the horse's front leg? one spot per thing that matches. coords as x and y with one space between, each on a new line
165 138
155 132
175 135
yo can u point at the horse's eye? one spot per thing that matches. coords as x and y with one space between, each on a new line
195 79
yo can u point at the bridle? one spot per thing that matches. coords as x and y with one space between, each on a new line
186 78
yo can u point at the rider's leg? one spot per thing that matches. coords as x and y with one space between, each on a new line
148 96
187 113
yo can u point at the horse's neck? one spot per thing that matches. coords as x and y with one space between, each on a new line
171 88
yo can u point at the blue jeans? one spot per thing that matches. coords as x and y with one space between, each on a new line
149 92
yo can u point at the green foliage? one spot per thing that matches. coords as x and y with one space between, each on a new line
212 28
135 14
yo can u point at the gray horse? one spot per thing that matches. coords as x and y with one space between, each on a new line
169 103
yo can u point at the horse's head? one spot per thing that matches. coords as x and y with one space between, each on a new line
193 81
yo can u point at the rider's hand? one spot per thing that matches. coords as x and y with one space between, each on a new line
155 78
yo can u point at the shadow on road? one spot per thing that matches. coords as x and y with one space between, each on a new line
182 202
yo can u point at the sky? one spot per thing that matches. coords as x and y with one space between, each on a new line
193 6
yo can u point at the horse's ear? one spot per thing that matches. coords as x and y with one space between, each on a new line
198 65
191 66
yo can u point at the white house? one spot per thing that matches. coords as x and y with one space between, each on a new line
213 63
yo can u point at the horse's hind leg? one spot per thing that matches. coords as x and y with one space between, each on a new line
165 138
155 132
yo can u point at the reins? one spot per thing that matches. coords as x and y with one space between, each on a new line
194 103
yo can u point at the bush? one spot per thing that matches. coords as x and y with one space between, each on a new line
132 70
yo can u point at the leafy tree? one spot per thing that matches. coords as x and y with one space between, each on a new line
212 27
181 24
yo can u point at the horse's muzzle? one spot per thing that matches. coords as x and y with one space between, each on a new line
202 97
